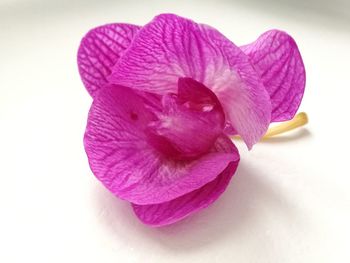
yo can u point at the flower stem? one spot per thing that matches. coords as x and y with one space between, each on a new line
299 120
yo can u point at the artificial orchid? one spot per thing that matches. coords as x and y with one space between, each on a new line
166 98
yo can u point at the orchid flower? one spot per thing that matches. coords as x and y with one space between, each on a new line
166 99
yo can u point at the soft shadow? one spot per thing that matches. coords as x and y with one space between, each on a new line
300 134
232 215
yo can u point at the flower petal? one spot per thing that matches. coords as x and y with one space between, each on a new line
183 206
123 159
99 50
278 61
170 47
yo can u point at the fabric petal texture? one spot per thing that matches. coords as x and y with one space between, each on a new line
171 47
123 159
99 50
277 59
183 206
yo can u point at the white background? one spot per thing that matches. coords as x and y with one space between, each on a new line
288 202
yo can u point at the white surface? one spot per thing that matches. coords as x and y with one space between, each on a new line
288 202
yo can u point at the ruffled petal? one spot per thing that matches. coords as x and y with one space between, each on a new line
99 50
123 159
170 47
183 206
276 57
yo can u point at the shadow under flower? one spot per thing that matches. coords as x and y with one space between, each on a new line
233 215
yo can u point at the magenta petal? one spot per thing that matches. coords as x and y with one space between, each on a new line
99 50
278 61
170 47
183 206
122 158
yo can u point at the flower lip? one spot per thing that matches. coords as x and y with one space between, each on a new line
194 112
197 96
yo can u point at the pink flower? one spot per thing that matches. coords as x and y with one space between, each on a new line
165 98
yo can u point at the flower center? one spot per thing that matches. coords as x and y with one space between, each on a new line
190 122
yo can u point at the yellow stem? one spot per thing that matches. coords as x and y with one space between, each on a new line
299 120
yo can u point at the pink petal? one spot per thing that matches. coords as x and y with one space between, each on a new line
183 206
170 47
99 50
121 156
194 112
276 57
